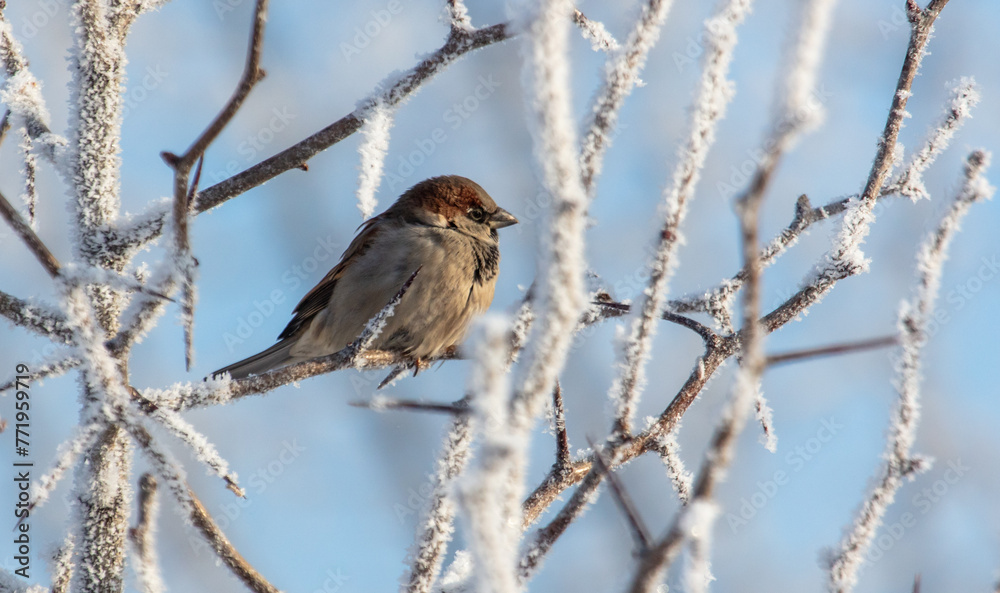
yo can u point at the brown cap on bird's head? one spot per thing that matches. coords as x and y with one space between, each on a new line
452 196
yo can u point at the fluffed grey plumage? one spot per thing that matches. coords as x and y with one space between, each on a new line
447 227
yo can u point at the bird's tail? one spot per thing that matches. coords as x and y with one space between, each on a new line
274 357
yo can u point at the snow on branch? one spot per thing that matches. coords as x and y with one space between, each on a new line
714 93
846 256
394 90
964 96
560 297
458 16
621 76
595 32
143 538
914 318
437 523
489 494
38 318
373 147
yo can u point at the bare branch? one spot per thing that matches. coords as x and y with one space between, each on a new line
225 550
832 350
639 532
182 165
30 239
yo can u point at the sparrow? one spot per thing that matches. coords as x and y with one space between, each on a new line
447 228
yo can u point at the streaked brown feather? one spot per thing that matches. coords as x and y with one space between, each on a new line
317 299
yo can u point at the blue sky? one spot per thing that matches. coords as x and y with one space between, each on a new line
336 485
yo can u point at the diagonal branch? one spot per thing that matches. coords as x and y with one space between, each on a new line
459 42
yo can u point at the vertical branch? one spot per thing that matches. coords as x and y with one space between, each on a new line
375 131
714 93
914 317
184 192
488 494
847 256
437 524
143 537
621 75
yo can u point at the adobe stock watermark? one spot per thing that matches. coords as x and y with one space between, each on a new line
741 174
795 460
38 20
137 93
454 117
963 293
896 22
292 280
922 503
695 46
258 482
364 35
224 7
254 144
333 582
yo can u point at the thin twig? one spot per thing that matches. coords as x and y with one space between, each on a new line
559 423
229 555
458 43
914 319
832 350
30 239
182 165
381 404
142 538
635 523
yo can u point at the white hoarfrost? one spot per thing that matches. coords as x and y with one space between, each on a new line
560 289
914 318
595 32
964 96
621 75
713 95
490 498
373 148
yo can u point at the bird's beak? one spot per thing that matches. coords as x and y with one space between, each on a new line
501 218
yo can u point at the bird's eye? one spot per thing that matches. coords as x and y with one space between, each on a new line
477 214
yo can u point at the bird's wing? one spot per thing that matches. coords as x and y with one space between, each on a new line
317 299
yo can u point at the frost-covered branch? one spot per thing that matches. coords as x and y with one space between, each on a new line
620 77
559 288
22 94
914 317
143 537
957 111
37 318
28 236
964 96
714 93
395 90
489 494
595 32
846 256
437 522
373 147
